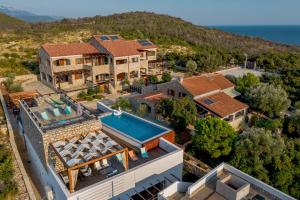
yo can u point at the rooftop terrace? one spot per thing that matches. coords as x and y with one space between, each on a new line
55 111
225 183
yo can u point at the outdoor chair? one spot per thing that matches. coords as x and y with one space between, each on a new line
104 163
65 178
132 155
97 165
68 110
144 153
45 116
73 161
56 112
119 157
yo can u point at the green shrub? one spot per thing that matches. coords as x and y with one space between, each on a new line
81 95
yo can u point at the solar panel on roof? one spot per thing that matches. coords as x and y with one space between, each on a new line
145 42
114 37
104 37
208 101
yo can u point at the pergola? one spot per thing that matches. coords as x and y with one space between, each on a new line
84 162
14 98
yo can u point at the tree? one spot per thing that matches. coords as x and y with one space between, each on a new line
269 158
183 113
214 137
191 66
153 79
142 110
122 103
246 81
166 77
291 126
180 112
165 108
267 98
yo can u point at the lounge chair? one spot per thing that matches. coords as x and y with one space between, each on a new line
87 157
45 116
56 112
144 153
119 157
132 155
68 110
73 161
104 163
97 165
57 102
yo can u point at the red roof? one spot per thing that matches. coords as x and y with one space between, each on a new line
154 96
121 47
221 104
55 50
199 85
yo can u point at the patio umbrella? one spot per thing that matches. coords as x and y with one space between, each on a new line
79 109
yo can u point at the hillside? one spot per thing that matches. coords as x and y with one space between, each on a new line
210 48
9 22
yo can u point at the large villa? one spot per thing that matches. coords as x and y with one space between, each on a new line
106 60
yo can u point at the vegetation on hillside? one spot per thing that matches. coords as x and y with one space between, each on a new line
179 41
7 22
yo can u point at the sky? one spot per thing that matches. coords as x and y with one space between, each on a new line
200 12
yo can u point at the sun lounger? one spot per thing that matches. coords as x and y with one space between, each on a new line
65 153
87 157
73 161
56 112
144 153
45 116
132 155
59 144
57 102
68 110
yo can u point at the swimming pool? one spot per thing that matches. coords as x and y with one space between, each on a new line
134 127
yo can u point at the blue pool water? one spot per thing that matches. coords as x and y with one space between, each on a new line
133 126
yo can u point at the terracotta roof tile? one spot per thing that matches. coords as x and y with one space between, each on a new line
221 104
199 85
55 50
154 96
121 47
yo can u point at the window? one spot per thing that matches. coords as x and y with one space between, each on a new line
134 60
49 78
63 78
43 76
78 76
87 60
99 61
171 92
114 37
120 62
102 77
79 61
62 62
150 53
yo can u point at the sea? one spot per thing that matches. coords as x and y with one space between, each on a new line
286 34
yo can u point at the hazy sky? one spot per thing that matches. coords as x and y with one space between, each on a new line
205 12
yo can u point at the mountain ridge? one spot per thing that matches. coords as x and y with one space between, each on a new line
27 16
